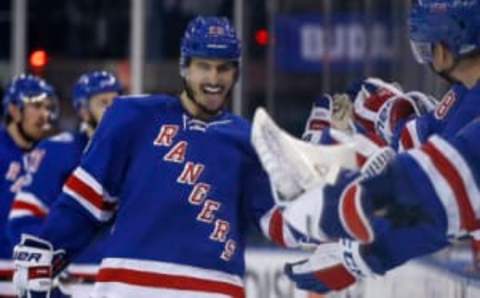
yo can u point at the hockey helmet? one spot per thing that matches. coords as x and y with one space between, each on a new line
94 83
27 88
455 23
209 37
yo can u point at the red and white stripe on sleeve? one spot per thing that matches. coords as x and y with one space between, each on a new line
90 194
26 204
453 182
409 138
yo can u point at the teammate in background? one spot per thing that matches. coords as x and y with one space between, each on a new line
30 107
426 195
178 177
92 94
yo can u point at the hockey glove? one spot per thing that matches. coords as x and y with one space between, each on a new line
319 119
328 212
383 108
295 166
344 209
328 111
377 162
333 266
33 260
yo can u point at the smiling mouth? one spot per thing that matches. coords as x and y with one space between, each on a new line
212 90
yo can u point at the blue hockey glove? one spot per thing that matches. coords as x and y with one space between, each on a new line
332 267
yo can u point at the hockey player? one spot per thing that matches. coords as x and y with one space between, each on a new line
29 107
93 93
426 195
180 181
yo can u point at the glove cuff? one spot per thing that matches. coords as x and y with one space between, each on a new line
33 266
353 260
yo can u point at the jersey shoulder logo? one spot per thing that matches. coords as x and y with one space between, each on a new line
445 105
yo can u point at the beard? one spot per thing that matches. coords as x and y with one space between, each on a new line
191 94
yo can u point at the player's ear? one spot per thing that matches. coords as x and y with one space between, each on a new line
442 56
14 112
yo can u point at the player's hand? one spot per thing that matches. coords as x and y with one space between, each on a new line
333 266
33 260
342 113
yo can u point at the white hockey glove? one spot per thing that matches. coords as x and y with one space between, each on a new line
333 266
33 260
293 165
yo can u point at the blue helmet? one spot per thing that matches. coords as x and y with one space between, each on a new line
27 88
455 23
94 83
209 37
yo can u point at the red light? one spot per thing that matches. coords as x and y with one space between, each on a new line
38 58
262 37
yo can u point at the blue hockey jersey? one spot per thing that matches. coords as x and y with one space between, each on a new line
11 168
454 111
61 154
438 179
180 192
13 162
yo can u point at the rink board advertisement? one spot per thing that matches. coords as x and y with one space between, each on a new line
303 45
265 278
422 278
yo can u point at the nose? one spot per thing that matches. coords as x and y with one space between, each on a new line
213 76
47 114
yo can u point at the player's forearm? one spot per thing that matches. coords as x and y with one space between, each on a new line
24 225
401 244
68 227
